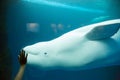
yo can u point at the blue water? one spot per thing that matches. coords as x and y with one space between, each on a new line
21 13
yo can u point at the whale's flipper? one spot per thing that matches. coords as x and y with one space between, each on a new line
103 31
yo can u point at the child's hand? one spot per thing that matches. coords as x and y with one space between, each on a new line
22 57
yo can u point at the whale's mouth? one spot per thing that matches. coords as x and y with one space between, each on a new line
29 50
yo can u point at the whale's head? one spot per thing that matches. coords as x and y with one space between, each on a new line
41 54
36 49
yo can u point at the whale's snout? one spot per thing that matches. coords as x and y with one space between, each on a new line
30 50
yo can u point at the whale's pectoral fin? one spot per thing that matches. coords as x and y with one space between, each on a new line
103 31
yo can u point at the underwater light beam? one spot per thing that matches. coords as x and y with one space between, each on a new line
57 4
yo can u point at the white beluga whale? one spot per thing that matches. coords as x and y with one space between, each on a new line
91 46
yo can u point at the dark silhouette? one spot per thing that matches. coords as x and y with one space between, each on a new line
22 60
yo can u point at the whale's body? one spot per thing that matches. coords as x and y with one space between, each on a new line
87 47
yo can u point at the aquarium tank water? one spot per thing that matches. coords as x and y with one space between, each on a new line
33 21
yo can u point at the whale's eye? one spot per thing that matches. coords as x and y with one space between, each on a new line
45 53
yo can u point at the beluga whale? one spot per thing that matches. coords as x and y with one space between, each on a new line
91 46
